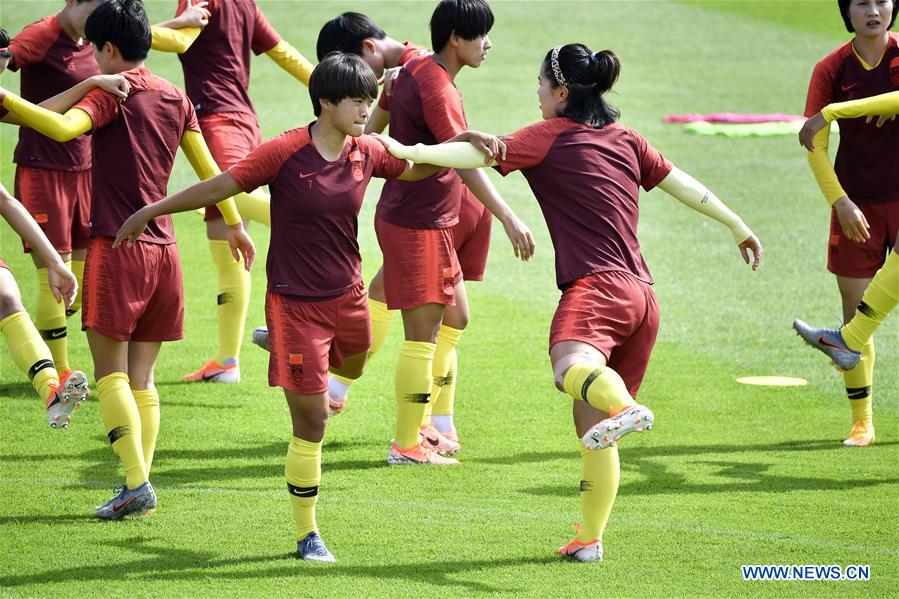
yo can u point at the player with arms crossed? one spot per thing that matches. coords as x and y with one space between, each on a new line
133 299
316 306
585 170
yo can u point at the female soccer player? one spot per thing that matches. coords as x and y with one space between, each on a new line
316 307
133 299
60 393
860 188
585 170
216 63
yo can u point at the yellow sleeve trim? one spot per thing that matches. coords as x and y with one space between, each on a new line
201 160
173 40
882 105
58 127
290 59
822 168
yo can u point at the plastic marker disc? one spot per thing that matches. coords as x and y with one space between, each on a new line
773 381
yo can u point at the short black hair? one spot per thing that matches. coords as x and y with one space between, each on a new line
844 12
345 33
123 23
469 19
339 76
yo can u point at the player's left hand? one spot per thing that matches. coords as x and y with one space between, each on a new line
241 245
63 283
520 236
131 229
493 146
114 84
809 129
195 15
752 244
388 79
881 120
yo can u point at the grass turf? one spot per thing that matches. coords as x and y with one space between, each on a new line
730 475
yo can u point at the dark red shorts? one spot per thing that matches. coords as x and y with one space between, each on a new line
306 337
617 314
420 265
471 238
133 294
846 258
60 203
230 137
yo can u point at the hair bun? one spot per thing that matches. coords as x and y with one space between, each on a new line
4 38
606 69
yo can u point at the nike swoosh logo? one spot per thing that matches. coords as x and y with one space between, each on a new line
306 175
434 442
121 506
209 377
847 88
827 343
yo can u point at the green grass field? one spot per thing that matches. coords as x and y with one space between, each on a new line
730 475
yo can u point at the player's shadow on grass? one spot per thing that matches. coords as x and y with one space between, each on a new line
164 562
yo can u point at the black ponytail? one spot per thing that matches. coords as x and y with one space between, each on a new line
588 76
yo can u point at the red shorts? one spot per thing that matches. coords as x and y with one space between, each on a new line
306 337
230 137
617 314
471 238
846 258
60 202
133 294
420 265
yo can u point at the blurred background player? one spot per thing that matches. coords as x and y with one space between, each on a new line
606 324
357 34
216 63
63 393
861 187
133 299
316 306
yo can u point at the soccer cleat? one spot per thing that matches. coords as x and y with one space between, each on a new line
451 434
582 552
140 501
830 342
260 338
72 390
420 454
215 373
312 547
438 441
862 434
608 432
335 406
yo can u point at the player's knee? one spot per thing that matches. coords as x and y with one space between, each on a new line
563 365
9 303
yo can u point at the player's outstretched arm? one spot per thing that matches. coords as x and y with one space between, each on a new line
178 35
518 233
62 282
451 154
289 58
58 127
694 194
116 85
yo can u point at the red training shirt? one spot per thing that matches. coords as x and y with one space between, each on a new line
314 250
134 146
51 62
587 183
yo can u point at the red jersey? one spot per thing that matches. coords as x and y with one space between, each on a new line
587 183
217 65
426 107
314 250
867 162
134 144
51 62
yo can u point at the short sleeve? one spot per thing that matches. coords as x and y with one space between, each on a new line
820 88
527 147
653 166
101 106
444 115
384 101
190 115
31 45
261 166
264 35
386 166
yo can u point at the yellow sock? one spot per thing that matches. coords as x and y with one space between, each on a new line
426 415
255 206
77 268
600 472
303 471
447 339
147 401
859 382
50 318
233 300
30 354
599 386
121 421
879 299
412 383
381 318
444 405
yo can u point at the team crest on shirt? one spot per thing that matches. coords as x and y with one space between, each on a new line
894 71
356 162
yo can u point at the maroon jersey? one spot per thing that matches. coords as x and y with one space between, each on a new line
134 143
587 183
217 65
314 250
867 162
426 107
51 62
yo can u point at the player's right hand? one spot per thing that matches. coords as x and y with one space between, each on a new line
809 129
131 229
195 15
241 245
852 221
388 79
753 245
520 236
63 283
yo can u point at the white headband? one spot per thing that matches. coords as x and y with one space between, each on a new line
554 63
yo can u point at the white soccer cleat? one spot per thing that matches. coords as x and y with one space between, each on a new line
608 432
